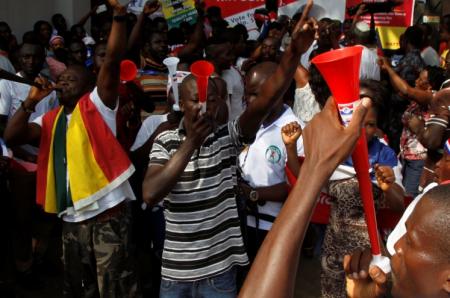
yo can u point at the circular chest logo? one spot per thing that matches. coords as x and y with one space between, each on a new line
273 154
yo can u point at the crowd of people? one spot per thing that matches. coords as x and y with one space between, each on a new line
150 194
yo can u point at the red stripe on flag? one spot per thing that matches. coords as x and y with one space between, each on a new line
44 153
108 153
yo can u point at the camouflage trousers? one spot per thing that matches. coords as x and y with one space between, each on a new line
97 257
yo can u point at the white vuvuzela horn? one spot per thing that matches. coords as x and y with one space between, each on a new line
172 63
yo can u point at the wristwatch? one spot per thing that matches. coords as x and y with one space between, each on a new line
254 195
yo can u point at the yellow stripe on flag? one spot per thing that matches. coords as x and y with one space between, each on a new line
85 175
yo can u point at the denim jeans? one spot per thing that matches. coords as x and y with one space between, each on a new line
220 286
412 170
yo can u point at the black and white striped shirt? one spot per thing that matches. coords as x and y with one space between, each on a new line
203 236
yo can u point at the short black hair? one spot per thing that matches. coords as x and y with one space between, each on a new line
275 26
445 20
39 47
4 44
87 76
414 36
5 24
159 20
436 76
38 24
30 37
379 94
214 11
175 36
426 28
98 44
242 30
224 35
148 36
55 16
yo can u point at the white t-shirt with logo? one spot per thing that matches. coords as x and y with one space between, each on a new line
263 163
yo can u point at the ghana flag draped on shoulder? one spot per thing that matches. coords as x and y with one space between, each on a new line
92 158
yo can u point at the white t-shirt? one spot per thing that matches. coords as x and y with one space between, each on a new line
5 64
304 60
263 163
147 129
430 56
235 88
116 196
12 94
305 104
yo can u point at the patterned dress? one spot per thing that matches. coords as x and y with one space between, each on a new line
346 232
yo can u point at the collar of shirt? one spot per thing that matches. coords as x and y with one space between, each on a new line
280 122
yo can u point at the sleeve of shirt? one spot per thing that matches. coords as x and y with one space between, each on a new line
38 120
5 98
142 136
389 158
300 148
159 154
5 64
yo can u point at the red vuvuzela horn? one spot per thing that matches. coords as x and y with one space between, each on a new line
340 69
128 70
202 69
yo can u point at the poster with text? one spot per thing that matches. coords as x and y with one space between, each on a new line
390 25
178 11
241 11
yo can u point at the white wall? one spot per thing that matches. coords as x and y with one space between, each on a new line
22 14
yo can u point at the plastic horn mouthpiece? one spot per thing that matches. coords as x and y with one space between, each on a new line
172 63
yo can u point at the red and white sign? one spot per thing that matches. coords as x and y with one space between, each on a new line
392 24
241 11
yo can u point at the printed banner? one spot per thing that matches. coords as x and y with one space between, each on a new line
174 11
241 11
178 11
390 25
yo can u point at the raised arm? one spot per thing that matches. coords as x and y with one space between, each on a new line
393 193
149 8
422 97
273 272
274 87
301 76
86 17
305 13
433 135
290 134
197 37
160 179
109 76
